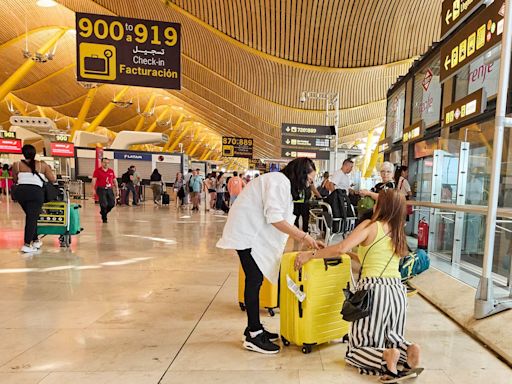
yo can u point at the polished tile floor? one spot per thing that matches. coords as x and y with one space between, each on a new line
147 298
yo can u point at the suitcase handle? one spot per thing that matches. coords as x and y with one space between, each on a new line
332 262
300 303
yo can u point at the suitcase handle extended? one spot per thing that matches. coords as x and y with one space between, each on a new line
332 262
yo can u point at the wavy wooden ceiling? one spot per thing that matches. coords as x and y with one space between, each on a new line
245 62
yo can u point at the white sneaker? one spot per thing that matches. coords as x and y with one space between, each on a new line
37 244
28 249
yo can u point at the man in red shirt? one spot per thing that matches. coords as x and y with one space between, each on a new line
105 183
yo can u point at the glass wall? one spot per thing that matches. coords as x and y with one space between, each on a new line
482 72
426 102
395 114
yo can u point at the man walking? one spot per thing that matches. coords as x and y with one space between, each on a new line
128 180
196 185
105 183
235 186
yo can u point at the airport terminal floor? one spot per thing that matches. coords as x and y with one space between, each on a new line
148 298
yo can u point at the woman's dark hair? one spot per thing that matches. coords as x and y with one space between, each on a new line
155 171
220 175
29 153
398 172
5 167
297 172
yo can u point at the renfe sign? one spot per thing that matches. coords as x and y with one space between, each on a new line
10 146
60 149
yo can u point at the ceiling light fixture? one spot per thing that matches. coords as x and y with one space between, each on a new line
46 3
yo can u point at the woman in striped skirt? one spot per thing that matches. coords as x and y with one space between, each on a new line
376 343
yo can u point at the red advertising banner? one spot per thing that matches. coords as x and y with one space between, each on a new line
59 149
10 146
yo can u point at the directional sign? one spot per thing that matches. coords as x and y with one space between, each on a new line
307 130
481 33
118 50
294 153
413 131
454 12
237 147
305 142
384 144
470 106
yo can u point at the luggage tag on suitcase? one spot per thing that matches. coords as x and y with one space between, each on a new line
294 288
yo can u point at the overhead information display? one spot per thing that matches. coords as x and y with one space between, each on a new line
119 50
479 34
305 142
237 147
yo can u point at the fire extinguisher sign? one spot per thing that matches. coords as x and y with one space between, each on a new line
120 50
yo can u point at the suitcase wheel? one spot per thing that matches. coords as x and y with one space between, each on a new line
307 349
271 312
285 342
242 307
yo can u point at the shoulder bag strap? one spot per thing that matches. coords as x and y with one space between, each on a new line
366 254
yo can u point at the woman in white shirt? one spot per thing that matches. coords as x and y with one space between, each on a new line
28 174
258 226
401 181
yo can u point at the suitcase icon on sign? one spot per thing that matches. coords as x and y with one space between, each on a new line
97 61
95 65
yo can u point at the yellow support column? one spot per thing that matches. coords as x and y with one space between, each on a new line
194 150
194 139
25 68
79 122
367 150
209 152
103 114
175 130
176 142
160 116
140 123
375 156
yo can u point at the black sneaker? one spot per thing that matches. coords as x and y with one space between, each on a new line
271 336
260 344
104 220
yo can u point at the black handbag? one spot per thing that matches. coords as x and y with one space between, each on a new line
49 191
357 305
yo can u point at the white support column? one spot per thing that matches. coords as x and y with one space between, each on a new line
485 303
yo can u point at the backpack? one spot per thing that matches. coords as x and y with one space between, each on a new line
126 177
413 264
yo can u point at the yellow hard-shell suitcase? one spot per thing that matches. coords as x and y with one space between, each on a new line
268 293
317 319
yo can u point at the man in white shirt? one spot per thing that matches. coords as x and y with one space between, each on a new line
341 178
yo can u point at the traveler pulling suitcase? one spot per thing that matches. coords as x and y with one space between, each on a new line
317 318
268 293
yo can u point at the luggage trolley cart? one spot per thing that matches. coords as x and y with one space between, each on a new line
324 221
60 218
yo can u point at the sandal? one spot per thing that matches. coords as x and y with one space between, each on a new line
390 377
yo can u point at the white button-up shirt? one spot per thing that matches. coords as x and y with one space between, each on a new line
265 200
341 179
